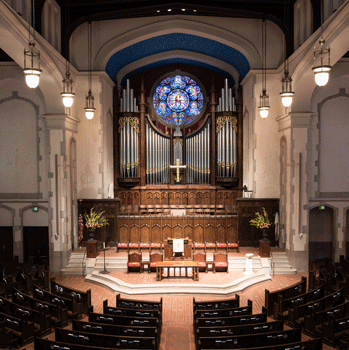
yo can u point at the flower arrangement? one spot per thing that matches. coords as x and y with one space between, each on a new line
261 220
95 220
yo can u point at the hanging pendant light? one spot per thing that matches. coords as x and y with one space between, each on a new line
32 69
287 93
322 72
67 94
264 98
90 108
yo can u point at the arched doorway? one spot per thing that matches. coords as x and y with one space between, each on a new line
321 233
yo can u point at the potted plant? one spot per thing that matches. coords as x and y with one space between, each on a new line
262 221
94 220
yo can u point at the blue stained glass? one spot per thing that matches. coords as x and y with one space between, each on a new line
163 109
178 100
193 91
166 81
178 83
189 80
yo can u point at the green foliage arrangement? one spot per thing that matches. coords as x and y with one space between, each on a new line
261 220
95 220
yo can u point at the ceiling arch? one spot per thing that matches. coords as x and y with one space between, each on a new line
177 57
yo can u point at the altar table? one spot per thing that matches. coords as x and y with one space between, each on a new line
161 265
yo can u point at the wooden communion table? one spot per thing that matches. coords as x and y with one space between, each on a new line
161 265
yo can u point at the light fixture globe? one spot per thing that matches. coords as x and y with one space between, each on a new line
67 94
264 104
286 98
322 75
68 99
32 71
90 108
263 112
32 77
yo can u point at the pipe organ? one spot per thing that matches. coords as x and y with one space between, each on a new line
158 156
226 146
128 131
205 143
198 157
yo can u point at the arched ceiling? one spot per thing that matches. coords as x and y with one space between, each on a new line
191 44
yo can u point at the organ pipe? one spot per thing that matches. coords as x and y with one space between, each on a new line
158 157
198 156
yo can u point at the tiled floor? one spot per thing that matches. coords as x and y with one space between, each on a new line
177 333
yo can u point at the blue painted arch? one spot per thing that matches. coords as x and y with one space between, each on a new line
177 41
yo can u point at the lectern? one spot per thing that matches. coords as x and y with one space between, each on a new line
171 248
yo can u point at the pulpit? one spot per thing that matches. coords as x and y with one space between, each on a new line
170 252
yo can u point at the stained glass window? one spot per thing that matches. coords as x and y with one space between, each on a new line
178 100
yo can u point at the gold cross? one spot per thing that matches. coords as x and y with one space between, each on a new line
177 166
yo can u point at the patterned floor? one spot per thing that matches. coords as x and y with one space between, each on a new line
177 331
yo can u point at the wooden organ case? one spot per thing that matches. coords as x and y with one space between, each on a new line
197 169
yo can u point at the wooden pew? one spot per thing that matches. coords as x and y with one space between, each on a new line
45 344
314 344
69 293
334 329
314 319
242 310
7 339
42 318
107 341
217 304
22 327
71 304
231 321
120 311
57 312
124 320
250 340
101 328
240 329
298 312
283 305
288 292
138 304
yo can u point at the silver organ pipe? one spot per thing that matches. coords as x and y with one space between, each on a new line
226 146
128 146
198 157
158 157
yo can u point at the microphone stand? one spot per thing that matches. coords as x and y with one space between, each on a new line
105 271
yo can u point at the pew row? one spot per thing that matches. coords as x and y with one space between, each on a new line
69 293
240 329
288 292
41 318
217 304
45 344
102 328
124 320
314 319
250 340
283 305
58 314
138 304
7 339
71 304
231 321
314 344
22 328
103 340
299 312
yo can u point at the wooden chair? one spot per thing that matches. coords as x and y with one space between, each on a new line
201 258
220 262
153 258
134 262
